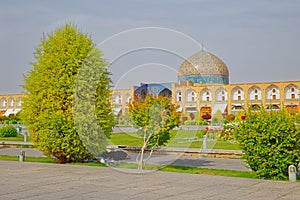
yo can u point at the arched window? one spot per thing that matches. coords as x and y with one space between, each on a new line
117 99
178 96
191 96
273 92
19 102
11 102
206 95
291 92
254 93
127 98
221 94
237 94
3 102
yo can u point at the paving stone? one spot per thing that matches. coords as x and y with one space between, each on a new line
53 181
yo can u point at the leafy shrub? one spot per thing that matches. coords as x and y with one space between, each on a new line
8 131
13 121
215 120
230 117
228 132
203 123
270 141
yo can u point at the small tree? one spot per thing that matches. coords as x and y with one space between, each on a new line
270 141
218 117
48 107
157 117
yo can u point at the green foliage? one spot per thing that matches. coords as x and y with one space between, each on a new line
125 118
91 106
228 132
196 120
239 115
10 119
8 131
48 106
270 142
230 117
156 116
298 119
218 117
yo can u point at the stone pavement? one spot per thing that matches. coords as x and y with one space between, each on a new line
53 181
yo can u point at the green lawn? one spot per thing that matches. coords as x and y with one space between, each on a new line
19 138
28 159
180 139
128 139
193 170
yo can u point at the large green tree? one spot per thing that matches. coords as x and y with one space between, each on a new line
55 92
156 116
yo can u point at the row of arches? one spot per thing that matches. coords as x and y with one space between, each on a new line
10 102
118 98
205 95
255 93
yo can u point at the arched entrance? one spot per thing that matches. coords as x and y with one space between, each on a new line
165 93
205 112
292 108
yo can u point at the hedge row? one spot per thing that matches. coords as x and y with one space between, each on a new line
8 131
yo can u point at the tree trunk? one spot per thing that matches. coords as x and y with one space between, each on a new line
141 161
60 158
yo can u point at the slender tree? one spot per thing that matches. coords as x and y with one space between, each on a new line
49 106
156 116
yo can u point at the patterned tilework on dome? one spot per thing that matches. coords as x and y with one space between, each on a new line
203 79
204 67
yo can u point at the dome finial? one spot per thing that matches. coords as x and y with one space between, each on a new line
202 47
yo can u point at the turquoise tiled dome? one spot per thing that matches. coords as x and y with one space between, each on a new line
204 67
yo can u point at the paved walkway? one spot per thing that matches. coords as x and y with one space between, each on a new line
53 181
167 159
16 152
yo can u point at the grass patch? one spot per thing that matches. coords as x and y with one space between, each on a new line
18 138
227 145
179 139
192 170
97 164
128 139
216 172
28 159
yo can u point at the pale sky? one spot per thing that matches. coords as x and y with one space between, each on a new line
259 40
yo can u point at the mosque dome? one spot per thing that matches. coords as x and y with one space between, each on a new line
204 67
